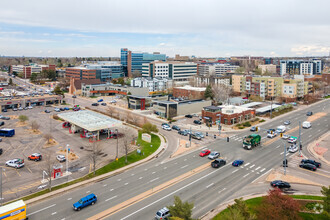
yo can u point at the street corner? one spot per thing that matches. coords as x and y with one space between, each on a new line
276 175
183 147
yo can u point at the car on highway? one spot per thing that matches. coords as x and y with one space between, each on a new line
204 152
16 163
166 127
317 164
272 135
163 213
175 127
280 184
95 104
47 111
287 122
35 157
200 134
188 116
309 113
14 109
269 131
57 110
292 140
253 128
214 155
90 199
197 122
293 148
196 136
218 163
306 124
308 166
61 158
30 107
237 163
285 136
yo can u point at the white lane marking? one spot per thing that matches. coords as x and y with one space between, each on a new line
165 168
132 174
222 190
287 154
310 136
104 185
154 179
54 213
246 164
111 190
118 180
246 175
184 166
257 168
262 170
126 184
261 175
140 178
278 146
145 169
69 198
234 171
319 130
185 159
174 192
282 153
111 198
323 171
41 210
153 172
210 185
88 191
252 166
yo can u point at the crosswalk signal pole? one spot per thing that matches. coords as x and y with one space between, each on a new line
300 139
285 161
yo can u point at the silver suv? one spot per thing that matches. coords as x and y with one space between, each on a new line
164 213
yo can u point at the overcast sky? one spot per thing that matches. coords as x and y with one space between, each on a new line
204 28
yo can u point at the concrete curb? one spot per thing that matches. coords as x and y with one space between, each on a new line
161 148
310 148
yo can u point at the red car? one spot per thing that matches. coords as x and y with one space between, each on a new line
204 153
35 157
66 125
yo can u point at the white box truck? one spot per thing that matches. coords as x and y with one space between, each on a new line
280 129
306 124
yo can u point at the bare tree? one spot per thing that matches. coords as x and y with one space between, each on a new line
136 73
34 125
48 167
221 93
122 115
127 139
96 150
48 137
135 119
111 111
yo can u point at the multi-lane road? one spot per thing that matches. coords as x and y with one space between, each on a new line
138 193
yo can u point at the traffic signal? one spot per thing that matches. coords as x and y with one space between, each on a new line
281 134
271 132
189 137
257 128
300 146
227 139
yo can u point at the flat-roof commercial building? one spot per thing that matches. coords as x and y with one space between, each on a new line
216 69
301 67
212 80
27 70
153 84
144 102
189 92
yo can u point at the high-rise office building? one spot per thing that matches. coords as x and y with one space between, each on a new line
301 67
132 61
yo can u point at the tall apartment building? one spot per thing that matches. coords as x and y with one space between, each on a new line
179 72
270 87
153 84
213 80
301 67
216 69
132 61
27 70
267 68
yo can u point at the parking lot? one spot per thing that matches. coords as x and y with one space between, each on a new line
26 142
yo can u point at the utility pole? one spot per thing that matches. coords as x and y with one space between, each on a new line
299 138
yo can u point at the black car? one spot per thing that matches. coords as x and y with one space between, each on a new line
183 132
309 113
175 127
104 104
280 184
1 151
47 111
188 116
218 163
271 130
62 109
4 110
198 122
317 164
95 104
2 123
308 166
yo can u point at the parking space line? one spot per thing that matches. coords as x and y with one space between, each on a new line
18 172
29 170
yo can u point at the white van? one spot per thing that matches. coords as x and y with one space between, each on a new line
306 124
280 129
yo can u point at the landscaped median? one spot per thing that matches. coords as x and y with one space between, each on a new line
115 167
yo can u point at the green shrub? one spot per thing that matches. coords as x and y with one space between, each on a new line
148 128
240 127
247 124
262 120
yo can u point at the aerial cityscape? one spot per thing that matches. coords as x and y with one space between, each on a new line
177 110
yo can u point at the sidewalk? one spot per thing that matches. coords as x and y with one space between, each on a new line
320 148
162 147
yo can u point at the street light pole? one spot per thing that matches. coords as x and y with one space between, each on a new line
67 158
299 138
284 162
117 145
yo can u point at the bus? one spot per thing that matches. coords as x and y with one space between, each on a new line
7 132
13 211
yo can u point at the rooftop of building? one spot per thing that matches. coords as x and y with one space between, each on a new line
171 62
232 109
187 87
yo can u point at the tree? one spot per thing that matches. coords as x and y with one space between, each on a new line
148 128
111 111
33 77
127 139
221 93
238 211
96 150
208 94
48 167
10 81
181 209
23 118
326 204
34 125
258 71
48 137
136 73
51 74
240 70
58 91
276 206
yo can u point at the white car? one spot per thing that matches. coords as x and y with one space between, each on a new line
30 107
61 158
293 148
167 128
113 101
214 155
57 110
16 163
270 135
292 140
285 136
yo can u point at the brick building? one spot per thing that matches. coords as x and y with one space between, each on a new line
81 73
27 70
189 92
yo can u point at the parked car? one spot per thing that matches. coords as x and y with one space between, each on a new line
309 113
47 111
2 123
237 163
287 122
74 96
167 128
1 151
62 109
188 116
113 101
103 103
293 148
218 163
100 100
91 199
30 107
292 140
280 184
66 108
57 110
95 104
16 163
163 213
195 115
308 166
317 164
198 122
214 155
61 158
204 153
20 109
5 118
175 127
35 157
183 132
14 109
25 108
196 136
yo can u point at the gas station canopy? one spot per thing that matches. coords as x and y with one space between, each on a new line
89 120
